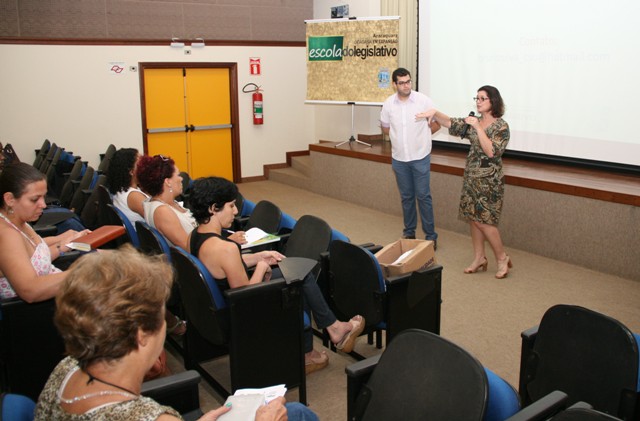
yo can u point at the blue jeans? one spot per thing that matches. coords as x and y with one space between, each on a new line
298 412
413 180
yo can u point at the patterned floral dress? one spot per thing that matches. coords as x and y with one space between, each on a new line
483 183
49 409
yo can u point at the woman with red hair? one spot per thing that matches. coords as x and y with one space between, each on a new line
160 178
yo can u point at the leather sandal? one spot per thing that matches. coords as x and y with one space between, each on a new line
312 364
349 340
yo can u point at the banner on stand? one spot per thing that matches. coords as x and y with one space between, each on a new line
351 60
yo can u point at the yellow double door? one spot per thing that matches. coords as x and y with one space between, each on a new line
188 117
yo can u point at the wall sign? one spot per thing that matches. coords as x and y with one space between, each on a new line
254 66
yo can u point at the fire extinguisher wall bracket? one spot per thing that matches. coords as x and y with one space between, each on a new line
256 102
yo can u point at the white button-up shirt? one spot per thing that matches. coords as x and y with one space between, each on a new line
410 138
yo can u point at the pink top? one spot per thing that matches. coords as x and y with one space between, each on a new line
40 260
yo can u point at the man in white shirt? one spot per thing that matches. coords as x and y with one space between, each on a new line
410 152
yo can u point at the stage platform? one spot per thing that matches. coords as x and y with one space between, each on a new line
581 216
572 180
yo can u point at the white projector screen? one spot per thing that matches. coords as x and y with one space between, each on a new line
567 71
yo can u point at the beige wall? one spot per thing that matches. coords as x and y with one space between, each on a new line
69 95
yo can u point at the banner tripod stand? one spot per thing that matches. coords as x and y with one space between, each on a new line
352 139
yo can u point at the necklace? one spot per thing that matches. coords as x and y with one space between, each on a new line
122 392
95 394
92 378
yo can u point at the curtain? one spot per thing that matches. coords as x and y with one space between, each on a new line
408 37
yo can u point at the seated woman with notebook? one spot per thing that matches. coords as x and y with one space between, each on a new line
212 202
112 324
26 268
159 177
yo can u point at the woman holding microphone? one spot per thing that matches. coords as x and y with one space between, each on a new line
483 183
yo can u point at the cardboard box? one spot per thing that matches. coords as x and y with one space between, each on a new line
422 256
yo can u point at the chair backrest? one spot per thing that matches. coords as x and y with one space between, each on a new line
247 206
128 226
41 153
71 184
203 301
421 375
337 235
265 216
310 237
356 284
76 170
589 356
31 345
105 217
81 193
61 167
287 223
106 159
51 171
151 240
16 407
44 165
89 213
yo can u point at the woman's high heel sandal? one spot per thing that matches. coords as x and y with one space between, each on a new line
483 265
503 267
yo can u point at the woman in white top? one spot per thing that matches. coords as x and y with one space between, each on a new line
26 270
123 184
160 178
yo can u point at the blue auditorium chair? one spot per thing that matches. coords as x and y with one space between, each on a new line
421 376
16 407
356 285
238 323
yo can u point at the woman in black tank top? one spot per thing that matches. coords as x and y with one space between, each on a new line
213 204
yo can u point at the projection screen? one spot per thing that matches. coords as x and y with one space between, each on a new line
567 71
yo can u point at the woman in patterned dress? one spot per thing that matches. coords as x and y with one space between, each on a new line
483 183
110 313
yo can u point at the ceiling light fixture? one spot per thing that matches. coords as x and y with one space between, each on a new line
176 43
198 43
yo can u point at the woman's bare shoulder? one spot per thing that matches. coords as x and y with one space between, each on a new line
8 235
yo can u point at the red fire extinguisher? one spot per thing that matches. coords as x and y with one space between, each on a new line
257 103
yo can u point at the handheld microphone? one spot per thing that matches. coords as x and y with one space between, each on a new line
466 126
